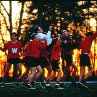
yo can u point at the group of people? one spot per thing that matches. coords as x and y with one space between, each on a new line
43 51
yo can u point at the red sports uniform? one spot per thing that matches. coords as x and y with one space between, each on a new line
13 49
33 52
87 42
36 46
28 48
55 57
85 46
56 50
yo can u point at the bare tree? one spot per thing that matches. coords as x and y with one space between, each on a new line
4 17
20 20
10 16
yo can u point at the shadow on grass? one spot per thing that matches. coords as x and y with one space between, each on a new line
68 91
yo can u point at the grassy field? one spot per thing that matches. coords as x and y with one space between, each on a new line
68 91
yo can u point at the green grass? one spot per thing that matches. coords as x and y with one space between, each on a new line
69 91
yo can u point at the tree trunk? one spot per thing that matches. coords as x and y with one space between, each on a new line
20 21
10 16
40 17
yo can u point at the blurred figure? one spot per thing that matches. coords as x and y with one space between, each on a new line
64 38
55 57
68 57
44 62
34 48
14 48
85 47
49 41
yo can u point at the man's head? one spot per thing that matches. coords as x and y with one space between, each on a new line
50 28
64 33
39 30
14 36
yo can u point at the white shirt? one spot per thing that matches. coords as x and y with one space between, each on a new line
48 37
41 35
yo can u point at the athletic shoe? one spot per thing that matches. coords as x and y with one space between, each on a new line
2 84
33 83
28 86
43 83
41 86
57 86
16 84
48 86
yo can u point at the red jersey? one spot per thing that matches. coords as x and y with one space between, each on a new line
56 51
36 47
28 48
70 51
87 42
14 48
43 53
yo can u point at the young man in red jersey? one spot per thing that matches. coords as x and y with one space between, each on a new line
36 71
85 47
45 64
55 57
14 48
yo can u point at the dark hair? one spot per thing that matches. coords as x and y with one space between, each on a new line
89 33
36 29
33 36
14 33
